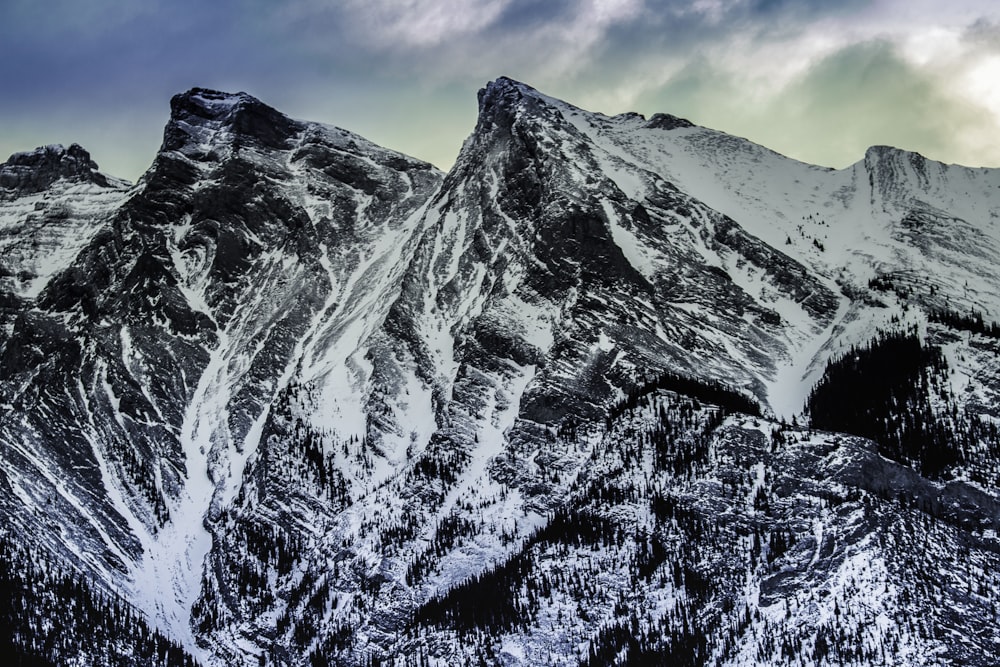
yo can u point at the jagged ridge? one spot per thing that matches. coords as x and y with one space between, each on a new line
311 386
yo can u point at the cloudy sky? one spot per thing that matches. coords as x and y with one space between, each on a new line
819 80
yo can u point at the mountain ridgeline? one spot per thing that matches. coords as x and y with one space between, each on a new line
612 391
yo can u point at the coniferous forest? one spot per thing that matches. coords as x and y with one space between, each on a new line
900 397
52 616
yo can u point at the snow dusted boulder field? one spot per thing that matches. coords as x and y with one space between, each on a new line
297 399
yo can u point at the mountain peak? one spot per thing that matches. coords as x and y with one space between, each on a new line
502 100
241 114
508 93
34 171
502 93
665 121
212 103
890 155
505 83
890 165
881 151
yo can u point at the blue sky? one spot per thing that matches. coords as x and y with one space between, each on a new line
817 80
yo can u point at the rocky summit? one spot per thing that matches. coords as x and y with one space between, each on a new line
612 391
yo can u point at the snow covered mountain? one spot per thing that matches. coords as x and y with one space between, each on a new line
299 399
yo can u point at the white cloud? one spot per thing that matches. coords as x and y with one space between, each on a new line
422 23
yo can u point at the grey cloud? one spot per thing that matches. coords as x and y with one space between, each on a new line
336 62
803 8
985 33
521 15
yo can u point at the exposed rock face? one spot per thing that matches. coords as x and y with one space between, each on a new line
301 398
37 170
52 201
160 346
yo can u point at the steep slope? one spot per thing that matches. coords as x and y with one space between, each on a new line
137 386
304 400
695 539
559 268
520 314
896 220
